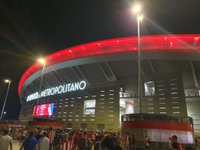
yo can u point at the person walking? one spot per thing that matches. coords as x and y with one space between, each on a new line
6 140
30 143
175 144
147 142
44 142
170 143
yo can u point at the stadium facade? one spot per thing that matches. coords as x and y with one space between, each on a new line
90 86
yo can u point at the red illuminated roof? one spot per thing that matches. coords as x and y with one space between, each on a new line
155 43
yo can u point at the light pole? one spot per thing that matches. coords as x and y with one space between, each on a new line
137 10
4 104
4 114
43 63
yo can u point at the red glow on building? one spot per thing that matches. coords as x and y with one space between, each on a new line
153 44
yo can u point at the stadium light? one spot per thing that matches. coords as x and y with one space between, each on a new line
137 8
4 104
42 61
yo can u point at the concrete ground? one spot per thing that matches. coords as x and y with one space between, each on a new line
16 145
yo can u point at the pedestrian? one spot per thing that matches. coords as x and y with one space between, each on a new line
30 143
147 142
5 140
110 143
44 142
175 144
127 141
51 135
169 146
198 143
132 142
97 145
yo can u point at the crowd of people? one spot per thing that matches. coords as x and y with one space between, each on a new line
51 139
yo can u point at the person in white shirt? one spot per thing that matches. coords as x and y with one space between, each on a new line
5 140
44 142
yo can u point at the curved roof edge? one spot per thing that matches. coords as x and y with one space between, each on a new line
154 43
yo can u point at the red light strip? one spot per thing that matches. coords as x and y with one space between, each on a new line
48 124
155 43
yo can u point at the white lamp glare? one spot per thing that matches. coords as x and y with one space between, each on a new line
7 81
137 8
140 17
41 60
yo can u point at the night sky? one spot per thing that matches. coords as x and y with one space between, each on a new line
32 28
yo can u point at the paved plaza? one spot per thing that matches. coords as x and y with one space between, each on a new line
16 145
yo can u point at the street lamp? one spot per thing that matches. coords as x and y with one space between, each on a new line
4 114
43 63
137 10
4 104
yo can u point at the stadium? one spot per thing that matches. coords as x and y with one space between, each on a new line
90 86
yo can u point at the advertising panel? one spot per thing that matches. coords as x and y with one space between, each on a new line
43 110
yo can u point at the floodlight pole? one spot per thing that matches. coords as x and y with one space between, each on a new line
40 87
4 104
139 62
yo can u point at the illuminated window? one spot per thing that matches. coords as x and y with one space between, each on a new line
149 88
176 112
162 107
175 102
162 103
89 107
163 112
176 107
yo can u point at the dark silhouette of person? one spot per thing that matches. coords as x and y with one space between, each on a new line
110 143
